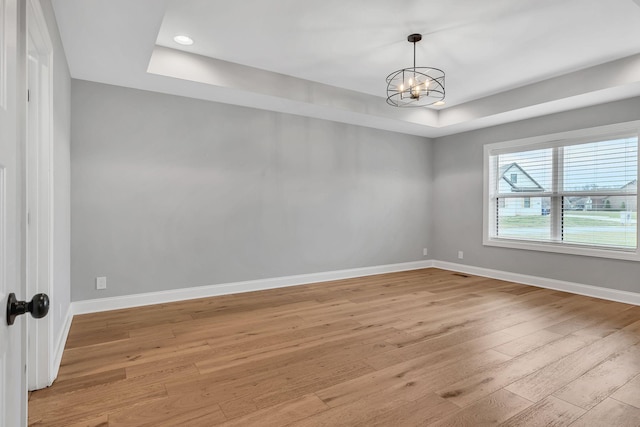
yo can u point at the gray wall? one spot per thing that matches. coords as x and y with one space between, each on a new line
60 298
170 192
457 213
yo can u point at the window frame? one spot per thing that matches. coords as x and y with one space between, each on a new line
547 141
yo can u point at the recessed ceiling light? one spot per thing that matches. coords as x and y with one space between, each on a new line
439 103
183 40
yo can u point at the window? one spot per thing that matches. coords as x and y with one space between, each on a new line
573 193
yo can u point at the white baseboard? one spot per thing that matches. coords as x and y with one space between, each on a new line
542 282
62 340
150 298
138 300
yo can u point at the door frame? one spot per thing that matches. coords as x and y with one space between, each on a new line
13 353
39 194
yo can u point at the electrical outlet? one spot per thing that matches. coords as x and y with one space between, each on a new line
101 283
424 252
460 255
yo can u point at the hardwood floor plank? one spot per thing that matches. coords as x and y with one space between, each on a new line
527 343
282 414
246 351
381 409
610 412
282 378
491 410
190 409
549 412
98 336
592 316
154 333
311 383
426 410
600 382
451 347
124 356
559 373
234 331
445 319
633 328
611 324
551 315
238 407
459 332
413 379
337 350
63 409
410 348
473 388
170 363
629 393
101 421
81 383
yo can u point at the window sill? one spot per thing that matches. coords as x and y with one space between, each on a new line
627 255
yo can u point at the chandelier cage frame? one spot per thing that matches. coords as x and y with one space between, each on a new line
415 86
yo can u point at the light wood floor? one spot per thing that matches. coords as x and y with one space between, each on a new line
426 347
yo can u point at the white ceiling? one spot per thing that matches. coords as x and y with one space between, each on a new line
504 60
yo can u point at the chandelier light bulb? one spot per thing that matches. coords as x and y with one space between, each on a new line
415 92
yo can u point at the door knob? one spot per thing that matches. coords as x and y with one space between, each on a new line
38 307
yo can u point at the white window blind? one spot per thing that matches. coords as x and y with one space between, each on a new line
565 193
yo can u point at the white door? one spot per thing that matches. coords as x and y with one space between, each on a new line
13 389
38 260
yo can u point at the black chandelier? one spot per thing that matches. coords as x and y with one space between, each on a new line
415 86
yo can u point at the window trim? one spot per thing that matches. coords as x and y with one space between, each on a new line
546 141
